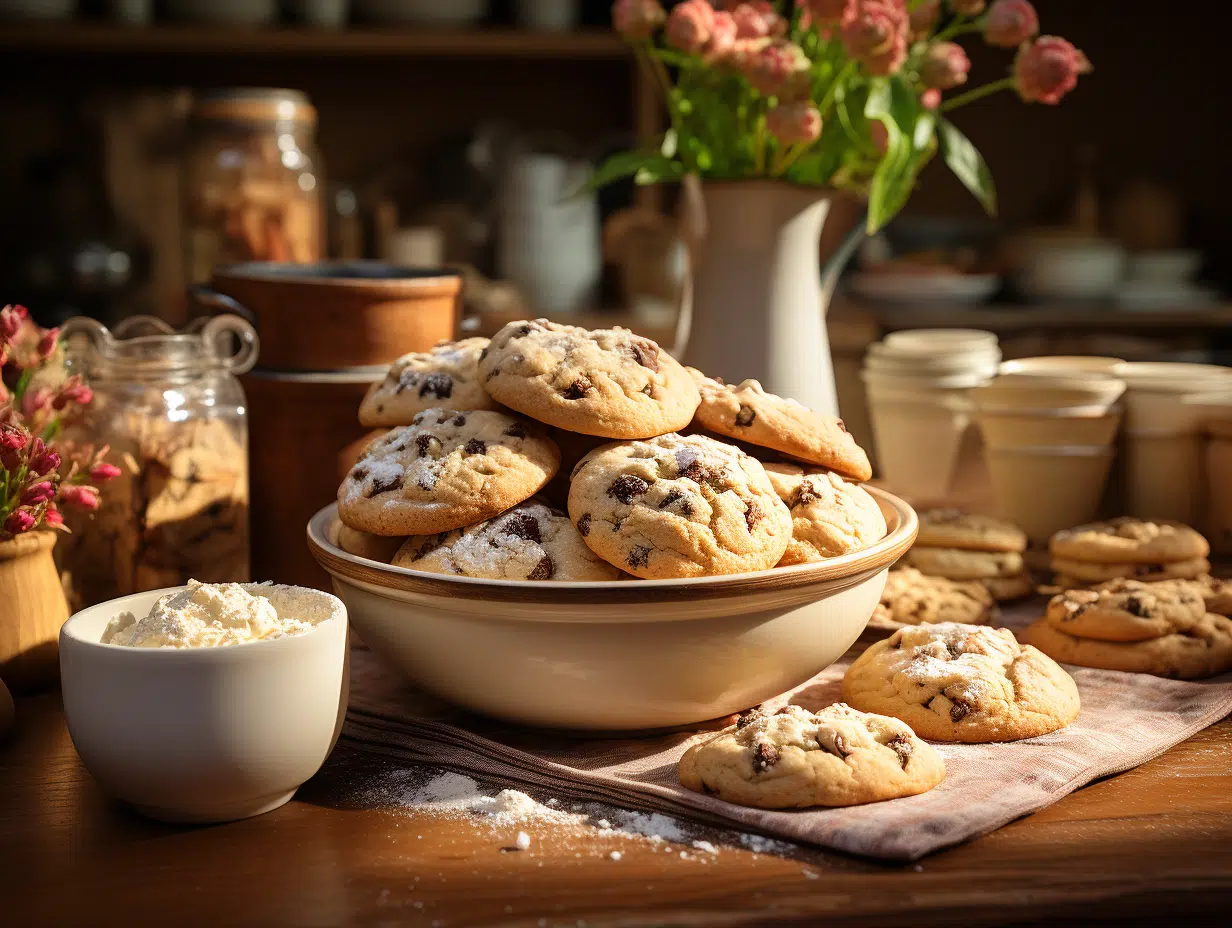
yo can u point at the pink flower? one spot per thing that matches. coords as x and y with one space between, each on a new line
778 69
19 521
42 459
794 123
967 7
102 472
875 33
35 401
47 344
757 20
1010 23
637 19
945 66
1047 69
53 517
11 319
689 26
37 493
82 497
722 37
930 99
13 438
924 17
73 391
825 11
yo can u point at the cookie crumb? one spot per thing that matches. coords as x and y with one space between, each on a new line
615 855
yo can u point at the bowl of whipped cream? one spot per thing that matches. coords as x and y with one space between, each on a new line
207 702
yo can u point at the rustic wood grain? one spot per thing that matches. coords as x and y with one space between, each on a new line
1154 842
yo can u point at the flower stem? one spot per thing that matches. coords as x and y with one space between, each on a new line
960 26
823 105
787 157
759 144
972 95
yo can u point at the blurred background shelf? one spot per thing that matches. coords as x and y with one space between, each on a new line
105 39
1029 317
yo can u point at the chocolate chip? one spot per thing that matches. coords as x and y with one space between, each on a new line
360 472
523 525
578 389
474 446
901 745
752 514
517 430
689 465
627 487
492 373
380 407
483 353
408 379
748 718
745 416
385 485
1135 606
765 756
959 710
419 417
674 497
646 354
459 420
805 494
543 570
639 556
525 329
439 385
427 445
1145 570
583 524
648 390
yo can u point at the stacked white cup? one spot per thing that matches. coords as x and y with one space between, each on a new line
919 387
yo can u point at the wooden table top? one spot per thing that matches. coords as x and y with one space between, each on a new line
1152 842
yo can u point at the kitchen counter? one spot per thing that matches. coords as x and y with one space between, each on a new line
1149 844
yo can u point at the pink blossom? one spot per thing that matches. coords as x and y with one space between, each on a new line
1047 69
722 37
875 33
19 521
967 7
42 459
757 20
82 497
11 319
637 19
825 11
47 343
1010 23
689 26
778 69
33 401
794 123
924 17
13 438
53 517
103 472
930 99
945 66
36 493
73 391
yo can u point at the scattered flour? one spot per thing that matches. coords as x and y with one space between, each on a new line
522 843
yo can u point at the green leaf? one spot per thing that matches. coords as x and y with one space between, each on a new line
638 164
968 165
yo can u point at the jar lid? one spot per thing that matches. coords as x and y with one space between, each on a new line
255 104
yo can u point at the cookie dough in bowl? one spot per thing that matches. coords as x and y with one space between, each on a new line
617 655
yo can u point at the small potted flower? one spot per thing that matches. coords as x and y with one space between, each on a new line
37 479
778 106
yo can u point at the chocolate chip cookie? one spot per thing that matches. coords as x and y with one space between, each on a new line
913 598
1091 572
445 377
1217 593
607 382
1127 610
953 528
748 413
1203 650
445 470
829 515
958 564
966 683
365 544
678 506
1015 586
1129 540
793 759
529 542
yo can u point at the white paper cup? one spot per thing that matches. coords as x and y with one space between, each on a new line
1044 490
918 442
1044 429
1060 363
943 339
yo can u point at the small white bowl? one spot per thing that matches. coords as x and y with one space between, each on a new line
204 734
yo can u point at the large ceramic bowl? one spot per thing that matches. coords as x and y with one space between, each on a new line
205 734
614 656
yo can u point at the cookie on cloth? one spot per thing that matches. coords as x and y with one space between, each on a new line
1127 610
1088 573
913 598
954 528
1129 540
830 516
447 376
958 564
966 683
1204 650
1217 593
793 759
678 506
445 470
748 413
606 382
529 542
1004 589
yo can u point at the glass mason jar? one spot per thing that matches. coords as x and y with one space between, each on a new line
252 184
175 416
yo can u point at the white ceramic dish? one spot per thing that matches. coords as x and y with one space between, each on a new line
1072 269
1060 363
203 734
924 288
930 340
615 656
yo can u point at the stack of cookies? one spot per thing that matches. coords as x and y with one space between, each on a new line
486 435
1163 628
1128 548
914 598
964 546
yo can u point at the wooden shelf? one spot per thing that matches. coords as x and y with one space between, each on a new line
366 41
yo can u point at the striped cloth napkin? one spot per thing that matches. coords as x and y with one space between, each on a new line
1126 719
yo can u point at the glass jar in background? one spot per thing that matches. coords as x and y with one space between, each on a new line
175 416
252 181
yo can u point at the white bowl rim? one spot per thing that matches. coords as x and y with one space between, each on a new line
121 604
881 554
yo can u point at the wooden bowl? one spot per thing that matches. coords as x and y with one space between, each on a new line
614 656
